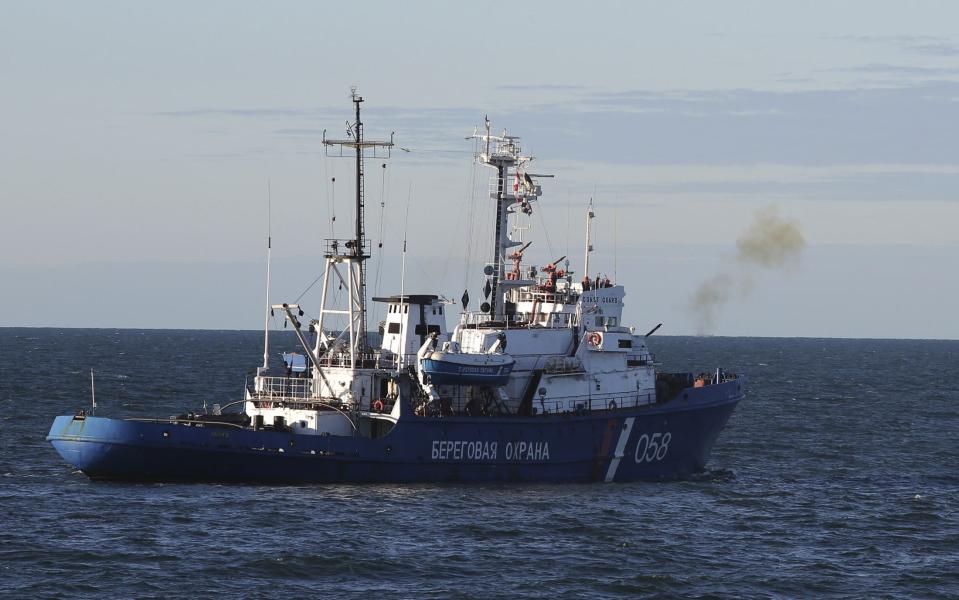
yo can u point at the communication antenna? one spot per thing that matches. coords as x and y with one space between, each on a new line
406 225
615 242
93 394
350 255
269 250
589 237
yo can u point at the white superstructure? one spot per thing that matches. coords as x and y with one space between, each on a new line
564 340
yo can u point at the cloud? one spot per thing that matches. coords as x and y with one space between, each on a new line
752 182
678 127
239 112
899 70
937 49
541 87
818 127
301 131
786 78
929 45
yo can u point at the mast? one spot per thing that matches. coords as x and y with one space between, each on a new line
589 237
351 254
503 153
93 394
269 244
360 217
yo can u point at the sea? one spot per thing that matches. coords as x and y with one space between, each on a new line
838 476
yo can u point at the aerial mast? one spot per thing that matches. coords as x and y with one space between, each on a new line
269 250
589 238
351 254
503 153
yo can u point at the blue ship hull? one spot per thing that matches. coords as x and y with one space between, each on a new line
667 440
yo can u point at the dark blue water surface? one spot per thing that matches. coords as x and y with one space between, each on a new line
838 476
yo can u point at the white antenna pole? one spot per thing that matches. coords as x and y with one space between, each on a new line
589 237
615 241
269 251
93 393
406 224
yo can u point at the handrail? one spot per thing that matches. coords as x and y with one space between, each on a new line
593 402
272 388
175 420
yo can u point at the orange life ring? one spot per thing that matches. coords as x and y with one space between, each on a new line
378 406
594 339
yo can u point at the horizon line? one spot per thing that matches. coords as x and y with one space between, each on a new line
686 335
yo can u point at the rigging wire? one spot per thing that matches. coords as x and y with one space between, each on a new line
487 214
569 217
384 186
549 244
406 225
308 288
432 150
269 251
333 203
455 240
336 292
615 249
470 219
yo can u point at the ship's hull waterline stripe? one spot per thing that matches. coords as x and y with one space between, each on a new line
620 446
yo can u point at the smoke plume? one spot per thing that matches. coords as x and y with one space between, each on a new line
771 242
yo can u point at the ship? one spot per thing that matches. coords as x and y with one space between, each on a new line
544 383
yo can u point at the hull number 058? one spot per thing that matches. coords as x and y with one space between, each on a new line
652 447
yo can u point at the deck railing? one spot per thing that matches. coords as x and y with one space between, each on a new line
610 401
464 404
284 388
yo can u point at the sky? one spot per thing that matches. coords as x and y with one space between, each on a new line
142 143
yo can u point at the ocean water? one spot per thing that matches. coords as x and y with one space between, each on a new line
837 477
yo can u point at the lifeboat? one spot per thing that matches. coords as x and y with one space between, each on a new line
451 366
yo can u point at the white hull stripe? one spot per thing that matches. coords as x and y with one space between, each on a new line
620 446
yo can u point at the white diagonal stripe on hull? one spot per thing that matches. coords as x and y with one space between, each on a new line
620 446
